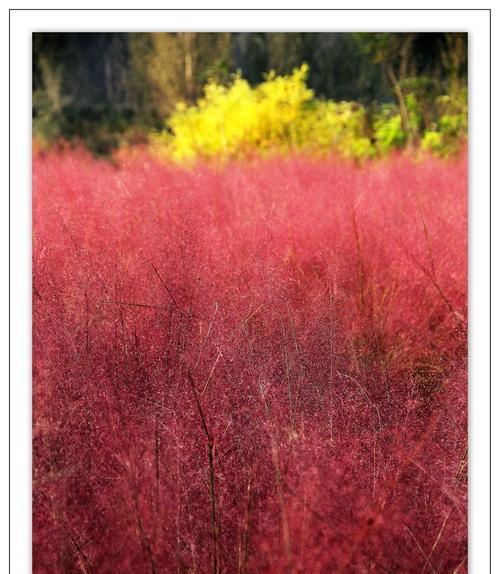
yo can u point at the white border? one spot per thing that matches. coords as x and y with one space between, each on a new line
495 306
24 22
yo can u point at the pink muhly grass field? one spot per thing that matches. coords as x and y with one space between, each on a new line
260 368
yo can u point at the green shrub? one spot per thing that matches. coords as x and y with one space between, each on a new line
450 129
388 130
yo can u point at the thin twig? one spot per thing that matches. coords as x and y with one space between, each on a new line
219 353
436 542
211 465
279 486
242 562
421 550
436 285
205 339
365 394
167 289
457 569
209 378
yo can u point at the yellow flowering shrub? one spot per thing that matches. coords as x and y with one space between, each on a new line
280 114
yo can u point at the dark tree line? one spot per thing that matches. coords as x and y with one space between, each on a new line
117 80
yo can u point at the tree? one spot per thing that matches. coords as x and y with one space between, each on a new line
173 67
414 62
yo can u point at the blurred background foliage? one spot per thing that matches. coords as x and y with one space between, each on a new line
207 94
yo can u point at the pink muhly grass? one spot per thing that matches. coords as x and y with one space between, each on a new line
260 368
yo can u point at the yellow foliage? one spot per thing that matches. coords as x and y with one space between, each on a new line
281 114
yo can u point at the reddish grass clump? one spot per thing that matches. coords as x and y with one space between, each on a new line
255 369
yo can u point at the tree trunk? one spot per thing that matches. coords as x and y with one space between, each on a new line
401 102
189 63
